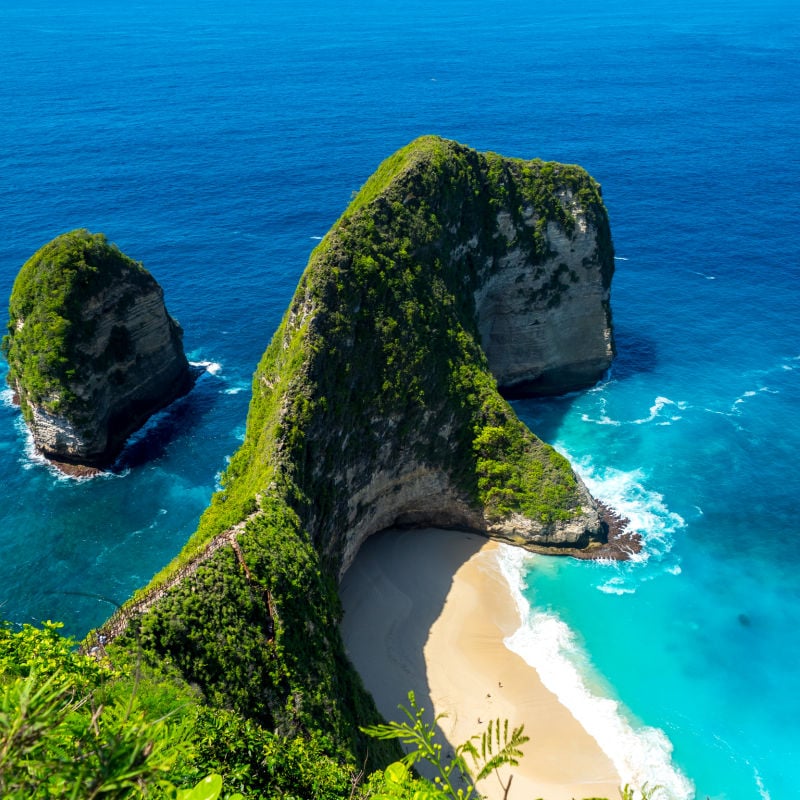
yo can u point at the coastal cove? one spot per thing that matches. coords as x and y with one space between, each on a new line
416 604
219 148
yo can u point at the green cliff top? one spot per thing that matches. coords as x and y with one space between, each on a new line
46 328
379 346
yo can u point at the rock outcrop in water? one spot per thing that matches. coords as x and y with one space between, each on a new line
92 351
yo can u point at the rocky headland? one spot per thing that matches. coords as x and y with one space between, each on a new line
452 276
92 351
452 273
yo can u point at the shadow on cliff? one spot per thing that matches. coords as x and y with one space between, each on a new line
178 419
392 594
636 354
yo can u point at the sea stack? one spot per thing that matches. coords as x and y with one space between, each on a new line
92 351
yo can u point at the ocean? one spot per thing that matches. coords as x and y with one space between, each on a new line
216 142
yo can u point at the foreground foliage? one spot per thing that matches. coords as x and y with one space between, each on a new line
74 726
67 731
456 779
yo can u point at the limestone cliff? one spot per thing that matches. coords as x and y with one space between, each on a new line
92 351
375 405
377 398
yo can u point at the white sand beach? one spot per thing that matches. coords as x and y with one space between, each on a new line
428 610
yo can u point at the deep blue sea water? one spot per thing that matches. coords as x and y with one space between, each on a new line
216 141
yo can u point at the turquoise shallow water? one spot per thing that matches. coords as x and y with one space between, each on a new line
217 141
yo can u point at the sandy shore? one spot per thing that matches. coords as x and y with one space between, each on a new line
428 610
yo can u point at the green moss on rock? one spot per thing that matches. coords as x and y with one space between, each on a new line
46 334
379 361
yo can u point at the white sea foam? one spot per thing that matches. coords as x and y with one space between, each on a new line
620 258
762 790
655 414
640 754
616 585
645 509
658 406
31 458
211 367
739 400
604 419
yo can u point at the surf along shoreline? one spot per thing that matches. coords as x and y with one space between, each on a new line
429 610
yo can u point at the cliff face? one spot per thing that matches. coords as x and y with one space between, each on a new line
91 348
546 329
451 270
375 405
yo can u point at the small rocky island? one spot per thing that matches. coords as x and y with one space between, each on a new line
92 351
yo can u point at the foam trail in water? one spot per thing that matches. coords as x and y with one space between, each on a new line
644 508
640 755
658 406
762 790
656 409
211 367
739 400
604 419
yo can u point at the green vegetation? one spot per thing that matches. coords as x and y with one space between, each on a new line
377 362
82 727
381 339
71 727
454 780
379 352
47 331
264 641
